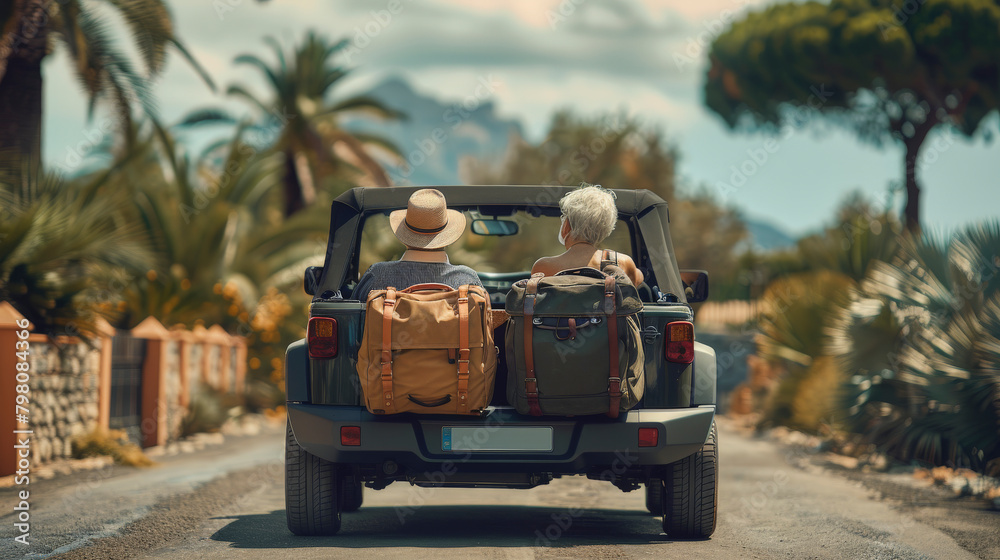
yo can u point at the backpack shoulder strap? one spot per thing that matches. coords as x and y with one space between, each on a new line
606 258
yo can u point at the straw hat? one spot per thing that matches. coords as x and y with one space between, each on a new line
427 223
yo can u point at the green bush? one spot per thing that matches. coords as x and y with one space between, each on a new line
208 410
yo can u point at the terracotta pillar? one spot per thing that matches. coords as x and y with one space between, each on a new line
8 370
154 382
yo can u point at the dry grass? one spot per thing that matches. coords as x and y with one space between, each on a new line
110 443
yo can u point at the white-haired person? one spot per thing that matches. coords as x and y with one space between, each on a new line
588 217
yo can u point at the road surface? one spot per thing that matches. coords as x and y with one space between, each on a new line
769 508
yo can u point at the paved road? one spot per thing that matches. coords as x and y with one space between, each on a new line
768 509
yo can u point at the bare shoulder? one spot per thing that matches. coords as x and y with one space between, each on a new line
543 265
625 260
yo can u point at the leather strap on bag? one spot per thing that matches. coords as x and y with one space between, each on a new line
387 307
463 348
614 379
530 381
428 287
606 258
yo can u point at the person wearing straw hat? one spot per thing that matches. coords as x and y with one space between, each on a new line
426 227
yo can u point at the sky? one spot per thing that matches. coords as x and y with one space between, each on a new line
532 57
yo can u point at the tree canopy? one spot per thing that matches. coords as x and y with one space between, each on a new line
889 70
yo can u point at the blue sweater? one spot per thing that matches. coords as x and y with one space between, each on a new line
403 274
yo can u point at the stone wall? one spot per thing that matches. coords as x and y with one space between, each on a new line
64 396
175 412
195 362
70 382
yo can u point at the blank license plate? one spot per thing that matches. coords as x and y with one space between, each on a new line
496 438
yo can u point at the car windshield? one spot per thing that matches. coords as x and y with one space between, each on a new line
514 253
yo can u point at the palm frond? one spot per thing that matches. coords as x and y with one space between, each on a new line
205 76
152 29
976 252
366 105
208 116
252 60
240 91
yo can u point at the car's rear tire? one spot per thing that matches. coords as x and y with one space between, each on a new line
351 494
311 501
654 496
691 493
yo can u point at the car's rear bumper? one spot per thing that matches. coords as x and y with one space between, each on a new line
578 446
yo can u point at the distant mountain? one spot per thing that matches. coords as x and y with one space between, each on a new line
765 236
437 133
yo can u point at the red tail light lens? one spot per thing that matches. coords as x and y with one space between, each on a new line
648 437
679 346
350 435
322 337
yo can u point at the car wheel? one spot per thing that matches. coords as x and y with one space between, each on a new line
691 493
351 494
311 501
654 496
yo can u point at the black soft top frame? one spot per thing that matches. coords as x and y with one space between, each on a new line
645 212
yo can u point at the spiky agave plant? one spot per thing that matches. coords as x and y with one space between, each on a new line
922 342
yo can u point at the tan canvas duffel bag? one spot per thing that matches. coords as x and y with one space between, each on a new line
427 349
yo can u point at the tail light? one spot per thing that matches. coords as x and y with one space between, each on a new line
679 346
648 437
350 435
322 337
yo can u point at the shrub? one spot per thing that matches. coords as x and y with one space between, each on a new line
110 443
208 410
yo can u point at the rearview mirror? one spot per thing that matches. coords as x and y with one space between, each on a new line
494 227
695 285
311 281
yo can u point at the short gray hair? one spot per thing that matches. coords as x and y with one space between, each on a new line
591 212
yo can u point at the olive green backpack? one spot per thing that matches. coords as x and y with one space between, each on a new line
574 344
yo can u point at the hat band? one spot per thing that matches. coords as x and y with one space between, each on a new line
425 230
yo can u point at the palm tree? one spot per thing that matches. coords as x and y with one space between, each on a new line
311 139
921 339
26 29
